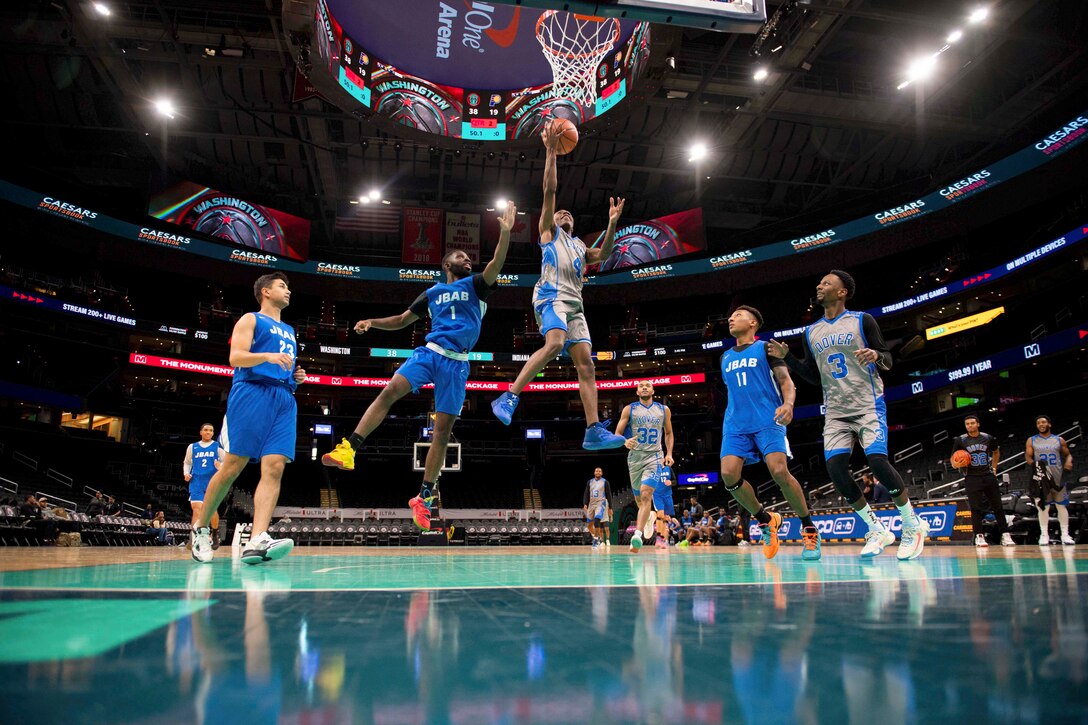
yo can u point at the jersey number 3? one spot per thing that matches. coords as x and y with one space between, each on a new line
839 361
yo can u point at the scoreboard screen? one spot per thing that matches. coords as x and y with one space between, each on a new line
395 87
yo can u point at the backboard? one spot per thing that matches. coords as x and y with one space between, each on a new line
732 16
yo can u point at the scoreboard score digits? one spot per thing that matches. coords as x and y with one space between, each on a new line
484 115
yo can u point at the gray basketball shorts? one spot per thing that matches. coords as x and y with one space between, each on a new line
870 430
644 468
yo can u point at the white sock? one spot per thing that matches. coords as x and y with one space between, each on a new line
867 515
1063 519
1044 519
906 511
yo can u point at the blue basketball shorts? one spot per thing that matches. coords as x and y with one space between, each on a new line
260 421
448 376
753 447
198 487
663 498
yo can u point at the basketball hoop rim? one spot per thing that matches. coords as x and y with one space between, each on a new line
615 35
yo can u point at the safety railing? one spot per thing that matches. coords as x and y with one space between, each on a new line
54 500
59 477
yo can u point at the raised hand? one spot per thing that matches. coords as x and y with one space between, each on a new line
615 208
508 218
550 135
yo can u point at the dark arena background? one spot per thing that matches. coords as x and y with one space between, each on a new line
160 156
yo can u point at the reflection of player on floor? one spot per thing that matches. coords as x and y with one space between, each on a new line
761 397
980 479
1052 453
457 309
597 501
844 352
202 460
647 423
557 301
260 420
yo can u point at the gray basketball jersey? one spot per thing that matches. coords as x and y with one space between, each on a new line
646 425
563 261
1048 450
850 388
596 492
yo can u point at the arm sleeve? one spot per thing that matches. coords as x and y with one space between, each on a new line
957 444
483 291
875 339
420 306
775 362
187 462
585 496
805 368
608 493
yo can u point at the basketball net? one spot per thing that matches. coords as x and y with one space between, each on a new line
574 46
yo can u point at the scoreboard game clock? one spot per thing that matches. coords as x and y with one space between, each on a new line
484 115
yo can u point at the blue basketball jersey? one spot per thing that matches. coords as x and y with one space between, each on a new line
753 391
203 458
457 310
270 336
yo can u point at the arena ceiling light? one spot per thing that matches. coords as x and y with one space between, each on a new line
374 195
102 9
501 204
698 151
979 14
165 107
761 74
954 36
919 69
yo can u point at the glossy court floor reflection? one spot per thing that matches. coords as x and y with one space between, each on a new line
544 636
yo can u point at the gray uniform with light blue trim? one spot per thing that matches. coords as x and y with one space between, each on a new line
1048 451
647 425
558 292
853 392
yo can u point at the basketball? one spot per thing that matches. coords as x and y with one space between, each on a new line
569 135
961 459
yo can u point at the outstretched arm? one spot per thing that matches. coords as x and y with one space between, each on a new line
550 136
601 253
396 322
494 267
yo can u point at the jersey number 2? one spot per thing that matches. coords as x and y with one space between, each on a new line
839 361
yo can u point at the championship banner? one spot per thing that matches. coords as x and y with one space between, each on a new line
422 236
463 232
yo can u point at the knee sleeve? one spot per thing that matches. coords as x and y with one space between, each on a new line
886 473
735 486
838 467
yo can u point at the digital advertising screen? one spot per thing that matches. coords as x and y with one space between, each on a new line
482 72
217 214
651 242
